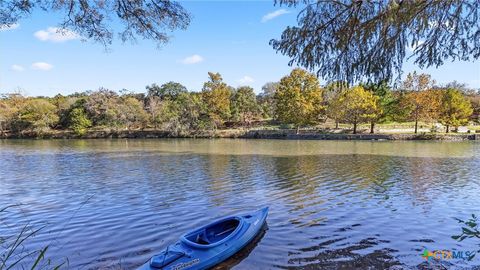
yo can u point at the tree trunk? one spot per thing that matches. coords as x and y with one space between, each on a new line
298 130
416 125
448 128
354 127
336 124
372 127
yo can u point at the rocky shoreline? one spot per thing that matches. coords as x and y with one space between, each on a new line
288 134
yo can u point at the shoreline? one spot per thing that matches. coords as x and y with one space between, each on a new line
285 134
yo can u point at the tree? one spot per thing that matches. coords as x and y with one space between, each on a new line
455 109
92 19
419 102
266 99
65 104
10 105
169 90
193 114
331 95
387 102
129 112
216 95
78 121
475 101
37 115
417 82
101 107
421 105
350 40
357 106
244 104
298 99
153 107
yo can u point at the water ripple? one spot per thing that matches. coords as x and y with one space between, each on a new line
112 204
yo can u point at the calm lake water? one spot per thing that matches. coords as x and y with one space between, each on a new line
111 204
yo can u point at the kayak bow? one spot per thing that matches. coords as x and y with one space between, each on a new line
211 244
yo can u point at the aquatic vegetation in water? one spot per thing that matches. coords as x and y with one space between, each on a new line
470 229
13 253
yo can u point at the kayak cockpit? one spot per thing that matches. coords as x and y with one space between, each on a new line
213 234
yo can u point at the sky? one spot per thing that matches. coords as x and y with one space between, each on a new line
224 36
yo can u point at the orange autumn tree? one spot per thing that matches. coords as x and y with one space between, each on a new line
420 102
422 105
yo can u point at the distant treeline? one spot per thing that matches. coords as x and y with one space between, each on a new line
297 100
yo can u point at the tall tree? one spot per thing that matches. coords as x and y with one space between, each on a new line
169 90
216 94
92 19
298 99
193 114
419 102
455 109
266 99
387 102
417 82
10 105
350 40
129 112
357 106
37 115
244 105
101 107
475 101
421 105
331 95
78 120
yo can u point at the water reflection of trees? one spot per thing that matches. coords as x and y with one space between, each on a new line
304 175
424 179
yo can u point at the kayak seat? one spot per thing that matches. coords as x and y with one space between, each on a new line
221 230
213 234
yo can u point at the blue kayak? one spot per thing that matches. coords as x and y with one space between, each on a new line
211 244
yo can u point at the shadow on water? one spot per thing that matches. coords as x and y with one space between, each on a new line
243 253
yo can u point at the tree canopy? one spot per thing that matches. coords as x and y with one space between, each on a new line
298 98
353 40
455 109
216 95
92 19
169 90
356 105
244 104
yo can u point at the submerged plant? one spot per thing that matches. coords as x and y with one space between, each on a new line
470 229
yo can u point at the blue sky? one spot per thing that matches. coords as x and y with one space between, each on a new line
227 37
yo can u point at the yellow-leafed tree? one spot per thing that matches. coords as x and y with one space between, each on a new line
356 105
455 109
422 105
216 95
298 99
